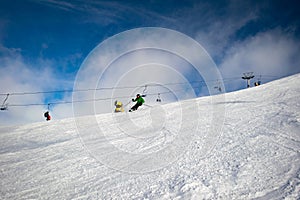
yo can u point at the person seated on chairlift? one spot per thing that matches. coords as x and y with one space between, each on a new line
47 115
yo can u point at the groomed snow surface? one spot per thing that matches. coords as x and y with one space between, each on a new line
242 145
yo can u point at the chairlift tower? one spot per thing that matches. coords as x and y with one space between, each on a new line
247 76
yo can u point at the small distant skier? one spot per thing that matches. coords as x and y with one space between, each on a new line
139 101
47 115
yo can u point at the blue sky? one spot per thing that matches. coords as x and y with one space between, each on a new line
43 43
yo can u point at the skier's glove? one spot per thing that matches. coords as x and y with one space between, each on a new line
132 99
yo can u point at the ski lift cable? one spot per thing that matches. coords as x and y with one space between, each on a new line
111 88
85 90
92 100
88 100
123 87
100 99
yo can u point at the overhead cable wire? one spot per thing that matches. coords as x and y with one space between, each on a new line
88 100
225 80
113 88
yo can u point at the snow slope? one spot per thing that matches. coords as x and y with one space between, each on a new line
244 145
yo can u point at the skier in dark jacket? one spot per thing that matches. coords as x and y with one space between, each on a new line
139 101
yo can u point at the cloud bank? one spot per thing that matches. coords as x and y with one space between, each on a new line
272 53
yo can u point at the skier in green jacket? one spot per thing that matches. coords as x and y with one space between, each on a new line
139 101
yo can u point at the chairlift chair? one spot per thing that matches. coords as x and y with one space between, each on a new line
158 98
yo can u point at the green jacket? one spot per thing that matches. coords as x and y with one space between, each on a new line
139 100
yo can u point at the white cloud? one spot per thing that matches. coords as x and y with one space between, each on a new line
214 24
17 76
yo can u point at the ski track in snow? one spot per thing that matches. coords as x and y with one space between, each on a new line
257 155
